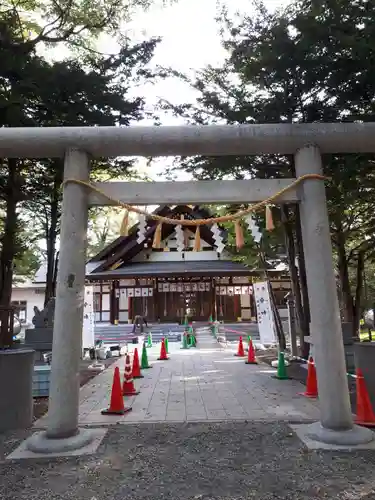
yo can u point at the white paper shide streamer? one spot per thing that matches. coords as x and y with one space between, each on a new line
141 229
253 228
180 240
216 232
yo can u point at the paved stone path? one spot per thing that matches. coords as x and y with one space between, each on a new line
217 430
204 384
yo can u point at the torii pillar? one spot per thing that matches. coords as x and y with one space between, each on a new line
62 432
336 422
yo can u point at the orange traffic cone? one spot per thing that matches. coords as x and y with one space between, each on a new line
311 384
240 351
136 366
163 352
128 388
365 414
116 406
251 355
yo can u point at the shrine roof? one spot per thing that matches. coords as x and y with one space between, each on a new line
201 268
125 248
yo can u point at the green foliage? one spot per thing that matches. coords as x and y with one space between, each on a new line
93 89
310 62
76 22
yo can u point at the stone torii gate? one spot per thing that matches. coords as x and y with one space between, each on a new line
305 141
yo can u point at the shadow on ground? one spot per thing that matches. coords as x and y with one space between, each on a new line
221 461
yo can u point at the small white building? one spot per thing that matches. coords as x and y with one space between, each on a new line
26 295
29 293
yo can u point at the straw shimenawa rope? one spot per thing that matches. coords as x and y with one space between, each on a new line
200 222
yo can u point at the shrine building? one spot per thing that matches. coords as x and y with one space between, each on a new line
166 284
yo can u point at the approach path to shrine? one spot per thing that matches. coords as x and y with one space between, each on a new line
204 384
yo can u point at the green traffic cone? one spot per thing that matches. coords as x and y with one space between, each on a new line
166 345
144 360
210 319
149 340
184 341
193 342
281 368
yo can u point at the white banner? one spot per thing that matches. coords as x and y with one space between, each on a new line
266 323
88 337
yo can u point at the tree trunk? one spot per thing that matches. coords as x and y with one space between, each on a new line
55 274
51 233
358 293
303 282
8 240
342 267
296 291
8 247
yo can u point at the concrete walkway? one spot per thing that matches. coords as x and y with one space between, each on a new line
204 384
236 445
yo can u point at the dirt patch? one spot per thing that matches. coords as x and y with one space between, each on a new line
41 404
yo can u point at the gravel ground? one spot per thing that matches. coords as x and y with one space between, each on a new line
221 461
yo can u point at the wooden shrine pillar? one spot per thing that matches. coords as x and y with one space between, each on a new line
213 300
113 303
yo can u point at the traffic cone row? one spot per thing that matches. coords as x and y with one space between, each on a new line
116 405
365 414
132 371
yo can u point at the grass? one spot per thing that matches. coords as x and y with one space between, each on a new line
364 335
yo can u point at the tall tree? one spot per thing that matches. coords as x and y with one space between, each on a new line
96 95
306 63
33 92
